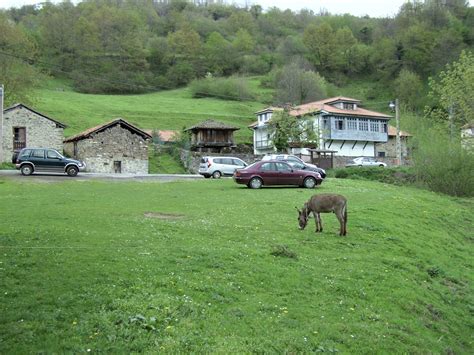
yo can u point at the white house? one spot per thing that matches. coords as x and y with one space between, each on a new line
341 124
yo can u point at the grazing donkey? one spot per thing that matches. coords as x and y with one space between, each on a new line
324 203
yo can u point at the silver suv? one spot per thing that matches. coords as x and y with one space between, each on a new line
296 162
218 166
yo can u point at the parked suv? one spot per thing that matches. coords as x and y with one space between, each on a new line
218 166
295 162
46 160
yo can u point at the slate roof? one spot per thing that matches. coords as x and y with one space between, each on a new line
119 121
211 124
62 125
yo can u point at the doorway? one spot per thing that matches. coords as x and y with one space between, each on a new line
117 167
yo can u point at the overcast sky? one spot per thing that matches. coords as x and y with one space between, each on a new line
373 8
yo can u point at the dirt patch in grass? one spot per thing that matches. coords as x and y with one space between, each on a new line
164 216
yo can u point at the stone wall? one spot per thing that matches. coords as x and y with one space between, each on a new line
40 131
115 144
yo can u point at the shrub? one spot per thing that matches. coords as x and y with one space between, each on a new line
397 176
223 88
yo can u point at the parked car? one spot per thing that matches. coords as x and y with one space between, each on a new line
275 172
365 161
218 166
293 159
46 160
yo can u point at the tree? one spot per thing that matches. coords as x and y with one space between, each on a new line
408 88
321 45
286 129
296 85
453 92
17 76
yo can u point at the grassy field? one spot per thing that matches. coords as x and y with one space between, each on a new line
210 266
173 109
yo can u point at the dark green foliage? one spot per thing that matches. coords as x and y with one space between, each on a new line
397 176
283 251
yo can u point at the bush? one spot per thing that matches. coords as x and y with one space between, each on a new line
222 88
396 176
7 166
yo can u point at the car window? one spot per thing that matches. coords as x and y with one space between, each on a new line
25 153
238 162
283 167
297 165
52 154
203 160
38 153
268 167
227 161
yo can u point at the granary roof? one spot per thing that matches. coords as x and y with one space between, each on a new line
211 124
119 121
19 105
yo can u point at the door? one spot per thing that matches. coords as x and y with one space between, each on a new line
286 176
19 138
53 162
269 173
117 167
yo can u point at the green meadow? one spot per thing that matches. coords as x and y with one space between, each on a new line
211 266
170 109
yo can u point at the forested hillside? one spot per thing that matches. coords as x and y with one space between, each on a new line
125 46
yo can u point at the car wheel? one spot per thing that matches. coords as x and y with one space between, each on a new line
255 183
26 170
216 174
382 166
207 176
72 171
309 182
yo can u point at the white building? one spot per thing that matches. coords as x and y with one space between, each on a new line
341 124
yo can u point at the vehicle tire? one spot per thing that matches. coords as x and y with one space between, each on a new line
216 174
309 182
207 176
382 166
72 171
26 169
255 183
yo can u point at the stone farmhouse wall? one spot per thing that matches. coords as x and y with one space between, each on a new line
40 131
115 144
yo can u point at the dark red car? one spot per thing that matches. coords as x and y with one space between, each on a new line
275 172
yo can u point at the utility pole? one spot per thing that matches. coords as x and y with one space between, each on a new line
1 123
398 145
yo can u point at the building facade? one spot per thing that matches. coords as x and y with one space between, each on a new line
24 127
340 124
114 147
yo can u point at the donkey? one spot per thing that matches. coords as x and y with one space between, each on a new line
324 203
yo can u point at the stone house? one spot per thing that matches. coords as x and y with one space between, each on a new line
211 136
24 127
389 149
113 147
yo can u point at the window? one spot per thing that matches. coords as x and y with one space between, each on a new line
26 153
381 154
38 153
268 167
19 138
339 123
348 106
384 127
374 126
352 124
363 124
51 154
283 167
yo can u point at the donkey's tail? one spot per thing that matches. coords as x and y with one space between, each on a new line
345 212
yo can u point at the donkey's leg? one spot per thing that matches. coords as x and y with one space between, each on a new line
320 222
345 219
316 220
340 217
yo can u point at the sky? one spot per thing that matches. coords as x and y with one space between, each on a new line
373 8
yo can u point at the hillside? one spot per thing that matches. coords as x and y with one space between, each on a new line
172 109
174 268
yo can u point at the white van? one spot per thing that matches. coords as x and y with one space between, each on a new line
218 166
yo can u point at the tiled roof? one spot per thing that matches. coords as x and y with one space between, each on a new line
211 124
88 132
324 105
62 125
